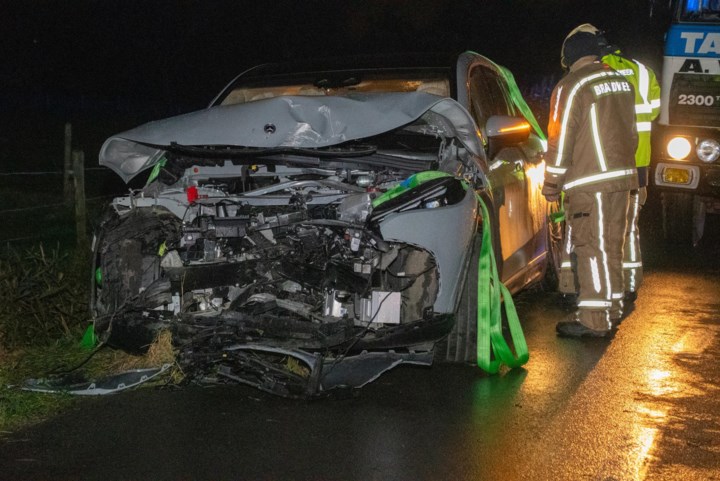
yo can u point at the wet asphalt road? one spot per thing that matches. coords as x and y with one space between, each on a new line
643 405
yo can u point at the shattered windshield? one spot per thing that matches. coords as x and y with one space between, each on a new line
436 84
699 11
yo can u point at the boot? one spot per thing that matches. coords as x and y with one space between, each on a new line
573 328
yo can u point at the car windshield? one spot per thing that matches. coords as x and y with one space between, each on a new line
336 84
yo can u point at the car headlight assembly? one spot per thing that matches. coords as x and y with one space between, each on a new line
708 150
679 148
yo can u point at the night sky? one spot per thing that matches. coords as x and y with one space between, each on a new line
149 59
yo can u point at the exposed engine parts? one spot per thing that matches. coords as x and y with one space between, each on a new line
235 269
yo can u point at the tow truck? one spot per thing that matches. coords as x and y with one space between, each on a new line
686 169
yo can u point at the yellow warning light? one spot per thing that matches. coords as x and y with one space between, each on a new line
676 176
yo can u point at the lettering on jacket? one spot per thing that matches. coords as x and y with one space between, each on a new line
605 88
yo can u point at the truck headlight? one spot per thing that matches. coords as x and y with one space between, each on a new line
708 150
678 148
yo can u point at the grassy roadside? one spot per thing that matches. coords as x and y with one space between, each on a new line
43 314
19 408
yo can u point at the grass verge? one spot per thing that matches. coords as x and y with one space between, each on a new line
19 408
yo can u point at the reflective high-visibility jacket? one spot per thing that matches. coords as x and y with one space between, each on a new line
591 132
647 100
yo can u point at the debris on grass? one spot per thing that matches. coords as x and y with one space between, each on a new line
160 352
65 361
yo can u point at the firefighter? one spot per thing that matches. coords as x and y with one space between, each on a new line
591 158
647 108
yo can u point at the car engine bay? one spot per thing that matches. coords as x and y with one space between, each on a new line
278 256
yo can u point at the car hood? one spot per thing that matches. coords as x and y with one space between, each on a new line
293 122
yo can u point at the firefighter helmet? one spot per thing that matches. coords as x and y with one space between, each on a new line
578 43
604 46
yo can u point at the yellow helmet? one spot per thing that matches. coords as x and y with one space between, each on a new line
585 27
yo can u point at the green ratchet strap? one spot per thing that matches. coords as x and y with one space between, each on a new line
409 183
156 170
559 215
88 341
491 293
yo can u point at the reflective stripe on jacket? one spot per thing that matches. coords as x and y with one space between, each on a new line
591 131
647 100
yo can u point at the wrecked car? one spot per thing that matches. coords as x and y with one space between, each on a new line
313 228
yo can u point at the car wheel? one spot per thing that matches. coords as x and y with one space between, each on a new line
128 261
460 346
677 217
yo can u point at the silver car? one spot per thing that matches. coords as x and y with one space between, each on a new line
316 226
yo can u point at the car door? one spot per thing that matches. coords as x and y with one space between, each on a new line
512 188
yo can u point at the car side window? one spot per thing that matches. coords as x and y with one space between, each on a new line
488 96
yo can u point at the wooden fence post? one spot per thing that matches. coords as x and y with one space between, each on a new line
67 165
78 167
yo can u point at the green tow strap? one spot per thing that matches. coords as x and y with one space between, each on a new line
156 170
89 341
559 215
409 183
491 292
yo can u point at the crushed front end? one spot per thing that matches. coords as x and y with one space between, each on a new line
290 271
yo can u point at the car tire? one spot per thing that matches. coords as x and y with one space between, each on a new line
127 255
677 217
460 346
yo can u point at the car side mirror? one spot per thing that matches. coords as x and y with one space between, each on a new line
503 131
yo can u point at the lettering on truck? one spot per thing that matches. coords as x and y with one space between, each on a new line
691 65
695 65
701 43
693 49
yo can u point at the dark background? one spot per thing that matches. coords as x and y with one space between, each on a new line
108 65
